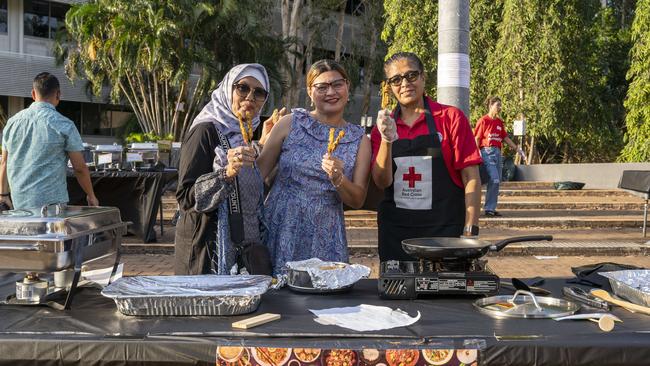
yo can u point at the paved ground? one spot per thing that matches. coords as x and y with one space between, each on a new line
504 266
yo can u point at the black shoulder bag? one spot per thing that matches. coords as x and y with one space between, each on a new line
254 257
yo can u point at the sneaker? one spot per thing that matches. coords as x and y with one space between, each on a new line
492 214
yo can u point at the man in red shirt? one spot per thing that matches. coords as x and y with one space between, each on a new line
426 160
489 133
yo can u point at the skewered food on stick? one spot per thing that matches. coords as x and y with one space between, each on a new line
246 126
334 143
385 95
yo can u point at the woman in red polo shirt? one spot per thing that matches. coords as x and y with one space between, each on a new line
426 160
489 133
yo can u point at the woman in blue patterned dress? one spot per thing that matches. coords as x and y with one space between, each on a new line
304 209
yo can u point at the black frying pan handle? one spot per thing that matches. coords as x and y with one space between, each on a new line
518 239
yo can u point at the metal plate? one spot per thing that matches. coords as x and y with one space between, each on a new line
522 305
311 290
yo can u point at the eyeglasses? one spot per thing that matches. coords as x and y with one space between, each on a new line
337 85
244 91
410 76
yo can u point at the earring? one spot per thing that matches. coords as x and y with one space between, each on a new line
312 103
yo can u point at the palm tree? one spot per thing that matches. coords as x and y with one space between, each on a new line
162 57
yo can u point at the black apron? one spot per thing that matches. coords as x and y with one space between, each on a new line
444 216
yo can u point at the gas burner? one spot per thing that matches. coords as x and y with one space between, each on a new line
413 279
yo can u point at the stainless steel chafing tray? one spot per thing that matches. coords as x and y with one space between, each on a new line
45 240
56 238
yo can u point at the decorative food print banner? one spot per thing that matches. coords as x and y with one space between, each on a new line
263 356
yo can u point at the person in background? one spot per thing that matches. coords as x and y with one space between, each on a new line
425 159
36 145
489 133
304 209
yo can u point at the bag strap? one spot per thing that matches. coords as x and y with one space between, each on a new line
235 217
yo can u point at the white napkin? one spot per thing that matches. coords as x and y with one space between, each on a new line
364 317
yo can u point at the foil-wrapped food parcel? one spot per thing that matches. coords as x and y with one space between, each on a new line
632 284
322 275
188 295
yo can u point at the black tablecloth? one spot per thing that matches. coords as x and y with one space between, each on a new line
94 330
136 194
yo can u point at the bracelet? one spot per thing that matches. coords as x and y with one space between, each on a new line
340 182
5 194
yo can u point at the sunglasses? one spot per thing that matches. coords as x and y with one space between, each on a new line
244 91
410 76
337 85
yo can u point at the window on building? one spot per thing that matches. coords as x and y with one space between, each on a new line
43 18
57 17
71 110
3 16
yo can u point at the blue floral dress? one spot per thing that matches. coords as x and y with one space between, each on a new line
303 211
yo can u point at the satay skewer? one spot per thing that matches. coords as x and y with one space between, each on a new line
385 95
246 127
334 143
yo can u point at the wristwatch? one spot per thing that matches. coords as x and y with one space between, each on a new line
470 230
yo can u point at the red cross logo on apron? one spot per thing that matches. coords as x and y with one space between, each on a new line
411 177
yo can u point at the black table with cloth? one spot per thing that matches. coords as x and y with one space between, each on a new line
136 194
94 331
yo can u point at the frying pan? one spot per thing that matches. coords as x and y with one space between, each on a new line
459 248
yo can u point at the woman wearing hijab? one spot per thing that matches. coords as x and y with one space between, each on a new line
217 169
304 209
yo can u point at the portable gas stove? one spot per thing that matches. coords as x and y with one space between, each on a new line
414 279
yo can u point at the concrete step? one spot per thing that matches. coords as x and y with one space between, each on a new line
534 218
556 193
598 206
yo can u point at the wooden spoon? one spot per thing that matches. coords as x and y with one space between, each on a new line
605 323
628 305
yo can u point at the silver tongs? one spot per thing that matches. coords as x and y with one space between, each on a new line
578 294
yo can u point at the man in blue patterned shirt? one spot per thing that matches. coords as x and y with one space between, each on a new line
36 145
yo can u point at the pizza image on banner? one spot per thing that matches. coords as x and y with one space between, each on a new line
412 182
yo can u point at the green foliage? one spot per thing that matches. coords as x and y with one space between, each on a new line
545 67
146 137
412 25
485 17
637 104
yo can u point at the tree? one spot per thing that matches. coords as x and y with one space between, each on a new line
162 56
545 70
637 103
412 25
485 17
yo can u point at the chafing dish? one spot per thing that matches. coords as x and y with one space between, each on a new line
56 239
144 155
108 157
